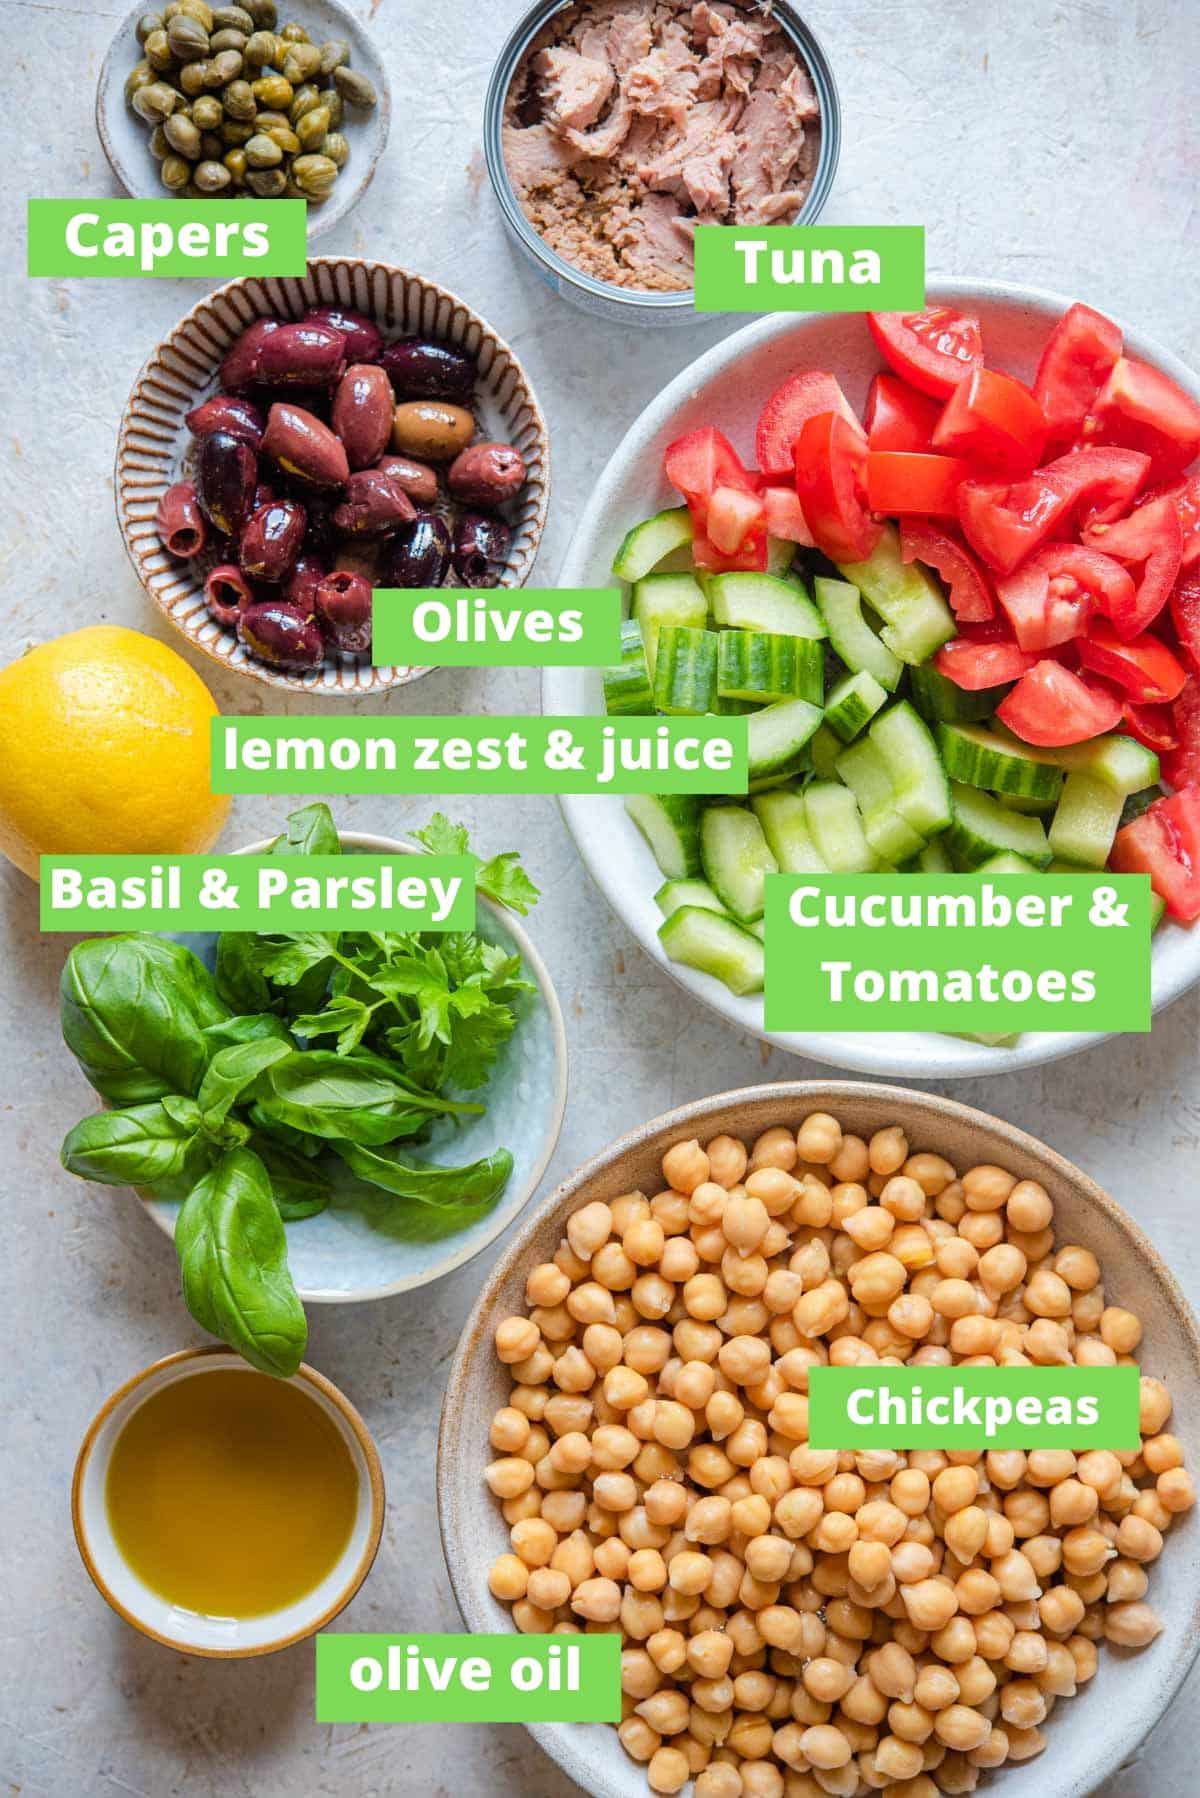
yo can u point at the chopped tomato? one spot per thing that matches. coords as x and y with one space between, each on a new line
830 464
782 419
785 517
1099 483
1051 707
1165 844
899 481
751 558
970 592
1185 616
1142 408
1152 725
732 516
993 419
1078 357
1143 668
898 417
1049 598
1006 521
698 464
1185 497
933 349
976 665
1182 765
1153 538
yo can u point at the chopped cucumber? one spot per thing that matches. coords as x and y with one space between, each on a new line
662 599
983 758
1085 821
784 819
982 828
1122 763
910 755
1017 802
685 671
1007 863
778 737
865 772
852 703
1137 803
780 556
670 824
647 543
825 748
836 828
917 620
674 893
736 859
713 944
935 698
799 765
763 666
852 637
1158 906
763 602
627 686
933 858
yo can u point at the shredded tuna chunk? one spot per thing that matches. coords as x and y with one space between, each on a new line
575 89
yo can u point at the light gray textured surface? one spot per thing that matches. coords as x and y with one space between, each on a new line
1051 143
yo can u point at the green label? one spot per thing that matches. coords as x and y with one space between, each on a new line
468 1679
450 627
168 237
958 952
478 755
902 1408
810 268
257 892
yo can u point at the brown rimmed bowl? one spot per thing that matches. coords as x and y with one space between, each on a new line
154 444
1088 1737
219 1638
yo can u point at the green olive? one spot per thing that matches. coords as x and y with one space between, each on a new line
334 53
182 135
273 91
314 176
228 40
159 147
175 172
262 152
336 148
260 49
312 127
238 100
294 34
354 87
269 184
211 177
227 66
235 162
301 62
236 132
193 77
233 18
149 22
158 51
140 75
155 102
207 112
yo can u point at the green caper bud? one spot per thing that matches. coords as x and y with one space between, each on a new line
207 112
182 135
260 49
262 152
273 91
314 176
333 54
294 34
301 61
263 12
233 18
354 87
228 40
235 162
198 10
211 177
170 12
227 66
267 183
194 77
158 51
175 172
187 38
335 106
285 137
159 147
236 132
155 102
305 99
212 146
335 147
266 118
239 101
149 22
312 127
140 75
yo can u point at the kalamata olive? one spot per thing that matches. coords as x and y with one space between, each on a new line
264 493
364 339
481 546
302 355
180 522
228 412
227 593
300 588
344 611
303 447
239 370
271 539
372 505
419 554
422 370
279 634
363 408
431 430
226 476
418 480
486 474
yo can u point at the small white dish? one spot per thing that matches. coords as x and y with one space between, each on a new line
727 386
219 1638
348 1253
126 138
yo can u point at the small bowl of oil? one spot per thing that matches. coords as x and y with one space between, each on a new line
225 1513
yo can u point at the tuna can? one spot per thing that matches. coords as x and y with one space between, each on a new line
601 298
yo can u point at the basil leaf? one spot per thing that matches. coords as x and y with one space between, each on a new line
359 1097
444 1199
301 1189
258 1027
143 1145
233 1263
186 1112
133 1010
231 1073
293 1140
310 831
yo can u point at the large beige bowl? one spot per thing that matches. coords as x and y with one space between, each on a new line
154 441
1089 1736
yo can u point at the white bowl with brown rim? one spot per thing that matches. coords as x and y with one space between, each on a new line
1089 1736
154 445
219 1638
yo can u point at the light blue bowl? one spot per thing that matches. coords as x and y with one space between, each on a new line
363 1246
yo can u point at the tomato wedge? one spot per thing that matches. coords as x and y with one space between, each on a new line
932 349
1006 521
1152 725
1051 707
1153 538
732 516
785 518
782 419
898 417
830 464
1144 668
1142 408
1181 766
970 592
1079 355
1185 497
900 481
1185 616
975 665
1165 844
993 419
698 464
1048 599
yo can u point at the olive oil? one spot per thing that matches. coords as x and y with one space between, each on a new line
231 1494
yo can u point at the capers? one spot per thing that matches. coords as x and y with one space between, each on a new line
140 75
301 61
235 162
332 100
193 77
305 99
294 34
312 127
269 184
158 51
354 87
238 100
147 24
212 147
236 132
211 177
226 67
228 40
334 53
233 18
335 147
263 12
198 10
262 50
159 147
187 38
155 102
182 135
314 176
207 113
174 172
273 91
262 152
285 137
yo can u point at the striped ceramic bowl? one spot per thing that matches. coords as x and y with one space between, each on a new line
154 446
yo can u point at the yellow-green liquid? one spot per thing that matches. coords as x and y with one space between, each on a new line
231 1494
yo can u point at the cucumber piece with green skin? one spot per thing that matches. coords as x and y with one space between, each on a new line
852 637
713 944
851 704
983 758
736 859
793 770
780 556
783 815
865 772
936 698
933 858
670 823
763 602
1122 763
763 666
627 690
916 618
1158 907
662 599
646 545
836 828
1085 821
1017 802
982 828
825 748
685 671
778 737
910 755
674 893
1137 803
1007 863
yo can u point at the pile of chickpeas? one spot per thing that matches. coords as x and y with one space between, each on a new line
798 1622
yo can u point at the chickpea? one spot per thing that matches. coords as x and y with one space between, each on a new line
516 1339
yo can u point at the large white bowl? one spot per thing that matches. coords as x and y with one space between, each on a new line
727 387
